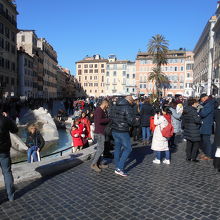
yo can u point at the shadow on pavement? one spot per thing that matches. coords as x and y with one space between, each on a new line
138 154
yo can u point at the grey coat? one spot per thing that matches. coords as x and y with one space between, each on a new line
176 121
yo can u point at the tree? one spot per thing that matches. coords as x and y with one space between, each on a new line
158 49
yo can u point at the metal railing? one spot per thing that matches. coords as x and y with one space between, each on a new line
48 155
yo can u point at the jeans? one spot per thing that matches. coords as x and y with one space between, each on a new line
122 148
100 140
159 154
192 149
5 163
32 152
206 145
146 133
172 141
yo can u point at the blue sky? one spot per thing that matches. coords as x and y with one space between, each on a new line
76 28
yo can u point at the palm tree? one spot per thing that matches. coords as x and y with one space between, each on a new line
158 48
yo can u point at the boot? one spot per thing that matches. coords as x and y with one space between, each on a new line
96 168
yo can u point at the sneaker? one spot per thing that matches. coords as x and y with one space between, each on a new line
120 172
156 161
166 161
95 168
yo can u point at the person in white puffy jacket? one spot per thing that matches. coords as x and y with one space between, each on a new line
160 143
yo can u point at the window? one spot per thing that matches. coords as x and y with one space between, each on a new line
133 76
85 77
124 73
127 76
102 65
140 86
175 68
22 38
13 49
90 77
85 71
2 43
189 67
79 72
7 46
95 91
115 73
96 66
144 86
95 77
79 66
1 28
181 68
188 75
2 62
107 73
90 65
91 71
96 70
103 71
13 66
7 64
86 66
102 78
13 36
12 81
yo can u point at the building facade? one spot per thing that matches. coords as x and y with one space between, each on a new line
27 82
203 59
90 73
216 59
175 70
27 40
120 77
50 69
8 52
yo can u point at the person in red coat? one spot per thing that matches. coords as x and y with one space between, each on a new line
85 121
77 136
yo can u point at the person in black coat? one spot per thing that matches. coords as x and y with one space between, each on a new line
6 126
136 124
122 116
145 114
191 122
216 161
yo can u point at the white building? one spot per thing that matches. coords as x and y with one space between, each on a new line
203 59
27 85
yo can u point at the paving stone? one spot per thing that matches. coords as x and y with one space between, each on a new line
177 192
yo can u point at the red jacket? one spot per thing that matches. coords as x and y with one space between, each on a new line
86 124
77 141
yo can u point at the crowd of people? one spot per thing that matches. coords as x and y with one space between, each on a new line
112 123
158 124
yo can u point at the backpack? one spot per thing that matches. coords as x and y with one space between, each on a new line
168 131
152 125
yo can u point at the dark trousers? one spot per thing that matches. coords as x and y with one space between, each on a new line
192 149
206 145
136 133
172 141
5 163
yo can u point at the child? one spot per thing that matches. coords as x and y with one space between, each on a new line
76 133
160 143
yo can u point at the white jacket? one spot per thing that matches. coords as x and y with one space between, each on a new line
159 142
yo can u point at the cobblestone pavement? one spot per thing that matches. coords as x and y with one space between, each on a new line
181 190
